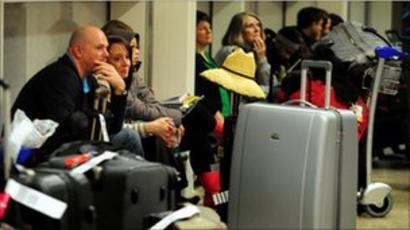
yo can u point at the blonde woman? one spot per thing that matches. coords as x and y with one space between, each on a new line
246 31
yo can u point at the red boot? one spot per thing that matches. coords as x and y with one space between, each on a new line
212 185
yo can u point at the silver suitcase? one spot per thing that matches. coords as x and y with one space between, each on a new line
294 167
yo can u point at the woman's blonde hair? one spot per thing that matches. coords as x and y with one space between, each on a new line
233 35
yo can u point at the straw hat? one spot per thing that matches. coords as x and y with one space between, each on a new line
237 74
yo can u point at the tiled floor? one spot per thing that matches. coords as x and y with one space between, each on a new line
399 216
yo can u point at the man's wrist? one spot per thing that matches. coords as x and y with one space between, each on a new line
122 92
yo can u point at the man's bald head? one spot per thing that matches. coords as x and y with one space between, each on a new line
87 45
84 34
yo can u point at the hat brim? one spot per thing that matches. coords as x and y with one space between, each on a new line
237 84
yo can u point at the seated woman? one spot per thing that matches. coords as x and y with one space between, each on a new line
120 53
142 105
246 31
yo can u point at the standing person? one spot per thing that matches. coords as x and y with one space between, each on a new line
310 24
64 92
246 31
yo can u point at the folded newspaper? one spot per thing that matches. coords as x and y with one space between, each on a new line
184 103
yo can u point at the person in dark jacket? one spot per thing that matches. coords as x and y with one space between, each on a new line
310 24
64 92
216 106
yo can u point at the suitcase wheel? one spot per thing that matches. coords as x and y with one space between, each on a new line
382 211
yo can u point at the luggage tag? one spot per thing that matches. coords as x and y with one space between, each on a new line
73 161
220 198
4 203
358 112
183 213
36 200
107 155
104 131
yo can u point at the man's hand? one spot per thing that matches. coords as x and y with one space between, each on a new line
107 72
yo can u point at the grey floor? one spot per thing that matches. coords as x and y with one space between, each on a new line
399 216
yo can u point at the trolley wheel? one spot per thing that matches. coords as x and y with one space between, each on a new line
382 211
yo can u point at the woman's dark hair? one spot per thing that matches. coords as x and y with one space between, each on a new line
117 27
335 20
202 16
115 24
122 39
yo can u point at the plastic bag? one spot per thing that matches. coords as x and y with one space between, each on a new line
28 134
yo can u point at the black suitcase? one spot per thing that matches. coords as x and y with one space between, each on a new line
74 190
128 188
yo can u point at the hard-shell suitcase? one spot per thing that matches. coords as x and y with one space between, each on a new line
74 190
294 167
128 188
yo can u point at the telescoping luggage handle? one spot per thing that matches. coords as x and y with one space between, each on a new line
316 64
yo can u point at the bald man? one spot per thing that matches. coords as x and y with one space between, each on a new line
64 92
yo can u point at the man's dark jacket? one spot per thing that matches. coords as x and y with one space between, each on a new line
56 93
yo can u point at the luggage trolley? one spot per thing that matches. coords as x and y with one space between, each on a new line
375 197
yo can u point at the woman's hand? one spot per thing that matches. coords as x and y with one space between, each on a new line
107 72
163 128
259 48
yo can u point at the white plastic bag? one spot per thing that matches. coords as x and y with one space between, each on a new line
27 133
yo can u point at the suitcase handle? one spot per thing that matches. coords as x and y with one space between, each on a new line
300 102
316 64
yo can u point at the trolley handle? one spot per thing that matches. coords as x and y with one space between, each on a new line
327 65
